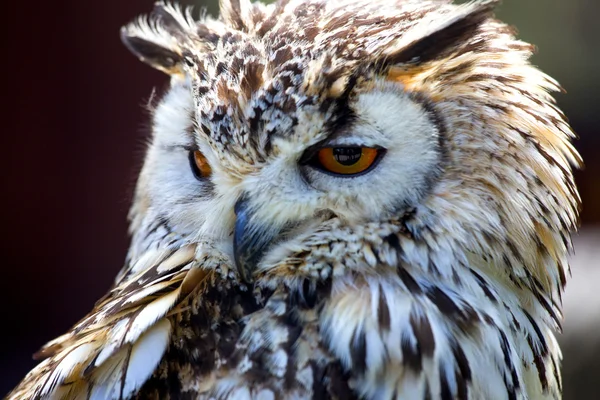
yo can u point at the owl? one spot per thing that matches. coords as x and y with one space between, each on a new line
341 199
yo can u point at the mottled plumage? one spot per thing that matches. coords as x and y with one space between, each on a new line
257 272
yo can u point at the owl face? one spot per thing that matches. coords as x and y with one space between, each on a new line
270 133
372 155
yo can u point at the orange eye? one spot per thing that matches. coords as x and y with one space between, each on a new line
347 160
199 165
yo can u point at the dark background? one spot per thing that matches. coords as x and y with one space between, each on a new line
74 131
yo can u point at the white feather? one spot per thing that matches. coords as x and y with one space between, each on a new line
145 356
113 343
67 365
106 380
152 312
183 255
126 370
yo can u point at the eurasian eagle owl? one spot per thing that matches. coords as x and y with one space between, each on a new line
341 199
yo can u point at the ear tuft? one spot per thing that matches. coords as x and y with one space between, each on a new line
236 13
159 38
432 39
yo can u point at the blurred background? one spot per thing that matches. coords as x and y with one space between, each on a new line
74 138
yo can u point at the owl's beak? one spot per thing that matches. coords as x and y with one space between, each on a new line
250 240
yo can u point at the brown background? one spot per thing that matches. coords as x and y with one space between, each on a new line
74 135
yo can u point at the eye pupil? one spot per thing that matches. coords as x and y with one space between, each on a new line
347 155
346 161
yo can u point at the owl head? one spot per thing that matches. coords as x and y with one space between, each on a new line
305 137
391 178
